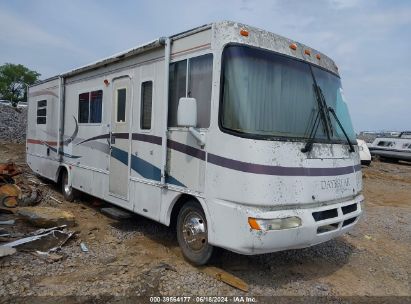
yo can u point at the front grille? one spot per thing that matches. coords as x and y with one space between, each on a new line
349 208
349 221
324 215
327 228
333 215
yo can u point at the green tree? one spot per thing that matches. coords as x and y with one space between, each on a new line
14 79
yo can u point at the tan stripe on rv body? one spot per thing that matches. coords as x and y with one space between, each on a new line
191 50
42 92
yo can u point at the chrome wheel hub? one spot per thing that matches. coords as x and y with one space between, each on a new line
67 187
195 231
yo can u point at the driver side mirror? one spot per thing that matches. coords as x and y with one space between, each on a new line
187 112
187 117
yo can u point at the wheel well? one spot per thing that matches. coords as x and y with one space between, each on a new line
177 207
60 173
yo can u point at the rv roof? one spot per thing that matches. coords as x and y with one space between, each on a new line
124 54
143 48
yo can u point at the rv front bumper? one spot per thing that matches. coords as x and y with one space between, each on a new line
309 226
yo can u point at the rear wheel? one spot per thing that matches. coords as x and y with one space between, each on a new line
66 189
192 234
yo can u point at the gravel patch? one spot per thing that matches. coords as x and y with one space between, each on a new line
137 256
13 124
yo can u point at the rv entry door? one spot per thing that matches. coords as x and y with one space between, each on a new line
119 137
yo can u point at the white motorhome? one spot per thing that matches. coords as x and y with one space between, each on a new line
365 155
393 148
239 137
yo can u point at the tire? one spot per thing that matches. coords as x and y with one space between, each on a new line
192 234
366 162
66 189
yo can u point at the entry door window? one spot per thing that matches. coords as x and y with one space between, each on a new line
121 105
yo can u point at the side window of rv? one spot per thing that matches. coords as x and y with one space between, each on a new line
146 104
385 143
90 107
191 78
41 112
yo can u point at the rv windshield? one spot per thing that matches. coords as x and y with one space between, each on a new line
265 94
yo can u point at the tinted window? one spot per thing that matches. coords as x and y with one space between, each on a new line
265 94
146 104
83 107
96 105
90 107
177 89
198 85
42 103
41 112
385 143
41 120
121 105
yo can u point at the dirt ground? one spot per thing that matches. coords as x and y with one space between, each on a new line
140 257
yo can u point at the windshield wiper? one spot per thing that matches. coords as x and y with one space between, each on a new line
330 109
309 145
322 114
326 111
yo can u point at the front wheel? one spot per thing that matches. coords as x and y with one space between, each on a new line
66 189
192 234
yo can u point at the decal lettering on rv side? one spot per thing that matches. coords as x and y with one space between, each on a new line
337 183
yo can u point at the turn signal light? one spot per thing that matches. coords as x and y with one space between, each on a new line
274 224
253 223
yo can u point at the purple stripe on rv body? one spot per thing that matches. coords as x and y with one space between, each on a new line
94 138
147 138
135 136
194 152
277 170
235 164
120 135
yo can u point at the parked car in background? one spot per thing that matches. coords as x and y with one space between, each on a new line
22 104
365 154
4 102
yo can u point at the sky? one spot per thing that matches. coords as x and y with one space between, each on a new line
370 40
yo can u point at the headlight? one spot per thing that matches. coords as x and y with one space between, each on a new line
274 224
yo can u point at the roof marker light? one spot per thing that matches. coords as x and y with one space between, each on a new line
293 46
307 52
244 32
318 56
